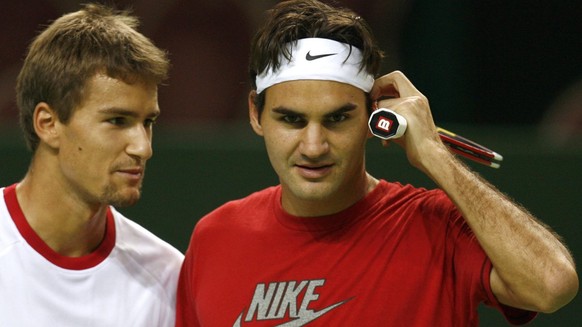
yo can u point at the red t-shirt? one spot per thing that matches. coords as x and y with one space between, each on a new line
402 256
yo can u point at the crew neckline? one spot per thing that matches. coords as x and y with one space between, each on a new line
331 222
33 239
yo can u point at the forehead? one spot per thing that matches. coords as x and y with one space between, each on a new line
102 83
303 94
103 91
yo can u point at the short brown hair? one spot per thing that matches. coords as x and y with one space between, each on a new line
75 47
292 20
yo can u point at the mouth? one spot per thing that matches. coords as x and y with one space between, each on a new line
314 171
133 173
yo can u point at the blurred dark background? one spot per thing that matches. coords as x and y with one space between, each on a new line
507 74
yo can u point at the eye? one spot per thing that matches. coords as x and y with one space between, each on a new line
292 119
117 121
149 122
336 118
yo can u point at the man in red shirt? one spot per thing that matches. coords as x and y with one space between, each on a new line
334 246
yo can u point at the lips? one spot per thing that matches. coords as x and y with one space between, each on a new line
313 171
134 173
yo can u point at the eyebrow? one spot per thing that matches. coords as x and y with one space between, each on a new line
289 111
126 112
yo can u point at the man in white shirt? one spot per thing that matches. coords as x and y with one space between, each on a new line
87 95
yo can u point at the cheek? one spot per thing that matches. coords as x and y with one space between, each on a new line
275 146
280 147
352 143
83 152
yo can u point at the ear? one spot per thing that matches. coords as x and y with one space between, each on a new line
373 105
45 123
254 114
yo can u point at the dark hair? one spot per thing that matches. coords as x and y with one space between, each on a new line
75 47
292 20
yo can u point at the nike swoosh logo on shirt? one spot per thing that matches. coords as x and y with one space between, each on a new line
309 57
301 321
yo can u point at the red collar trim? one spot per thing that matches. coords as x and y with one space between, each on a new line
73 263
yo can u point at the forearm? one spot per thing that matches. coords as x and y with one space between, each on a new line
532 268
535 270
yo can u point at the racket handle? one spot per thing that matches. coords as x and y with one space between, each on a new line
386 124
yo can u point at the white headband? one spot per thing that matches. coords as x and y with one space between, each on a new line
318 59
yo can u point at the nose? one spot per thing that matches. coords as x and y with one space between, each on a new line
314 143
140 142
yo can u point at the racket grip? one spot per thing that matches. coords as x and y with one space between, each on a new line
386 124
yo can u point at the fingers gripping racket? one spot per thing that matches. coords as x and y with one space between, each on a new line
386 124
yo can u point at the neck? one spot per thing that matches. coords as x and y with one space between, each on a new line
322 207
66 224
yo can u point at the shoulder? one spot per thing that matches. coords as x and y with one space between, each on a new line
248 208
238 217
9 234
145 249
431 205
409 193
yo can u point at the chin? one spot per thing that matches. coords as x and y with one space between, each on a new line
122 198
124 202
314 193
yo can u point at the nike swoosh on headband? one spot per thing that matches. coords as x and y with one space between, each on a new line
309 57
331 61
